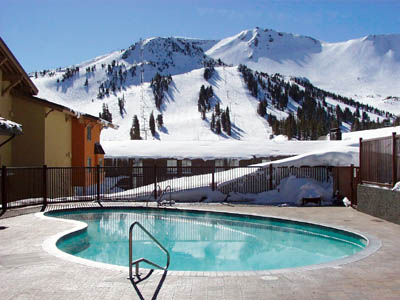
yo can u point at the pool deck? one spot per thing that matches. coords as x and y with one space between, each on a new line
29 272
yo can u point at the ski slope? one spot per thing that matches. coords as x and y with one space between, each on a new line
366 69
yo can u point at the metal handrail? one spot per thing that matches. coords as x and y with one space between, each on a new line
159 201
154 193
136 262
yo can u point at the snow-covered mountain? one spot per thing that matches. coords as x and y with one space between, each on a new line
344 68
366 69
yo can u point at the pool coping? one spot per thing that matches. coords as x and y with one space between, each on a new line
49 245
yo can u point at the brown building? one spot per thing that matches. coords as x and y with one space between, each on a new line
141 171
53 134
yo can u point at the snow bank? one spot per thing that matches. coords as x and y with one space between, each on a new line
343 156
291 191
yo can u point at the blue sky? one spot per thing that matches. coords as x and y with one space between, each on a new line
45 34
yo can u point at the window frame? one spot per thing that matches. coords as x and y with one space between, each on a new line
172 170
89 133
186 166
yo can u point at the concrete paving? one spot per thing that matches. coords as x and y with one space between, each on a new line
29 272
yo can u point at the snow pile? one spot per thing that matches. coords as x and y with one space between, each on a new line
343 156
293 190
304 153
346 202
396 187
10 127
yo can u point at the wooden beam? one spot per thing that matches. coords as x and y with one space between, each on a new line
11 86
3 60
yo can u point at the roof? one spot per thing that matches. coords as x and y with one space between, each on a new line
8 127
98 149
71 112
13 71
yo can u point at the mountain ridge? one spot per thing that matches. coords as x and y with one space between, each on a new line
107 79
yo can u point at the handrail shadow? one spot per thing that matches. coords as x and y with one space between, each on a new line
158 288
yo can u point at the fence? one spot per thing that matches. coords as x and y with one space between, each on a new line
47 185
345 181
379 163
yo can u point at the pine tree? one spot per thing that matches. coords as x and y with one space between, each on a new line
105 114
228 122
160 121
262 108
121 104
135 129
203 114
212 123
218 127
208 72
223 121
152 124
217 109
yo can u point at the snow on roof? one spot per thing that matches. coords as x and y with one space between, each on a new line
310 153
8 127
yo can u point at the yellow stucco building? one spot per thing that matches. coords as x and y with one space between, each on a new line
50 135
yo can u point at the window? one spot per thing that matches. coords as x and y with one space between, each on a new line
186 166
100 162
234 163
219 165
89 133
137 167
172 166
89 164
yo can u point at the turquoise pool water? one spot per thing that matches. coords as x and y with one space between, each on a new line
199 241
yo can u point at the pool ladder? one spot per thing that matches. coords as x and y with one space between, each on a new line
160 201
137 261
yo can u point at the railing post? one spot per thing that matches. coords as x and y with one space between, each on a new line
327 174
44 186
131 168
394 158
360 159
213 179
270 177
98 182
155 181
352 184
3 188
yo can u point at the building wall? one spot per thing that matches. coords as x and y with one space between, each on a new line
78 130
58 142
379 202
5 112
89 145
28 149
82 148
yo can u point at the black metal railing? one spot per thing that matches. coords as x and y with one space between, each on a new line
47 185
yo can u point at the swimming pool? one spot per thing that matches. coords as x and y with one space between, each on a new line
205 241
